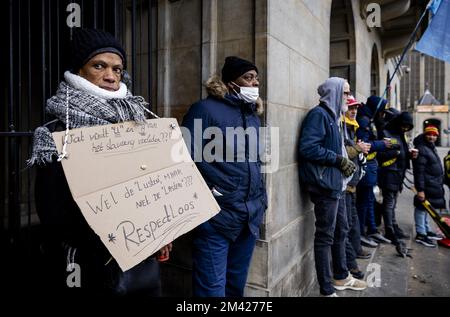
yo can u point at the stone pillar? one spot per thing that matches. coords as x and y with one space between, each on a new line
209 40
298 58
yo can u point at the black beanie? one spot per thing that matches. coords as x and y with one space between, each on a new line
235 67
87 43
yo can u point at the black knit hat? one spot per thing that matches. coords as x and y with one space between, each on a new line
87 43
235 67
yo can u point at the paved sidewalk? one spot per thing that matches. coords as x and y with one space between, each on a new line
427 273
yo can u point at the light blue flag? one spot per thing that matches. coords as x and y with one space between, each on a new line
436 40
434 6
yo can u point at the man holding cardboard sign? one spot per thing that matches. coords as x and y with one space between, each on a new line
92 94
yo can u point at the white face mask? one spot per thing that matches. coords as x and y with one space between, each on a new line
248 94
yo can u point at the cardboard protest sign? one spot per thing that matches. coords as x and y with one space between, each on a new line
136 185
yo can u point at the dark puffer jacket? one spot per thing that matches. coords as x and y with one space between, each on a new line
428 173
395 161
367 133
240 181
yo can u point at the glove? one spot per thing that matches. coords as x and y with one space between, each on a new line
346 166
358 148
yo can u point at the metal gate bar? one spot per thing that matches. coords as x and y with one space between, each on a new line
34 74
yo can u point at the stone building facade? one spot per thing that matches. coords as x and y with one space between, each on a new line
174 46
426 94
425 73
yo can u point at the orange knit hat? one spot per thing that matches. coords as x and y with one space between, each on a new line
431 130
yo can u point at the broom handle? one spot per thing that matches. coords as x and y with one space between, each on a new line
438 219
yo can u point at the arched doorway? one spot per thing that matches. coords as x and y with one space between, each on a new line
437 124
374 73
342 42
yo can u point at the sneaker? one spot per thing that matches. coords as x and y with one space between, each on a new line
434 236
379 237
331 295
423 239
367 242
364 254
356 273
349 283
391 235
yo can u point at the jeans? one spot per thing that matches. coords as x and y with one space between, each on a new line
353 242
365 204
330 237
389 204
421 220
220 266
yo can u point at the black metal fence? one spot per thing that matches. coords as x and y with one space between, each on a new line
35 54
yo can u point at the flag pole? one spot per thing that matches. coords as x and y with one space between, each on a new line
407 47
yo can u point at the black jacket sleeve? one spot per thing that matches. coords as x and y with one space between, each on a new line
59 214
419 166
387 155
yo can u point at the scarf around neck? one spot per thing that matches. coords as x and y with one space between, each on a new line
351 122
88 105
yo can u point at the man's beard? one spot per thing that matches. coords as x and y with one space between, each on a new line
344 107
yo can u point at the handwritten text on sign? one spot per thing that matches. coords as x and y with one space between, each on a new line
149 211
129 189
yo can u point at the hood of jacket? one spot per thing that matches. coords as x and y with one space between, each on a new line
216 88
331 95
369 109
402 119
421 141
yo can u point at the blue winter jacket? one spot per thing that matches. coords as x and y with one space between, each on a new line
366 133
320 143
240 181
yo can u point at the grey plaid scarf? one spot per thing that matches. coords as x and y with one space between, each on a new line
85 110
